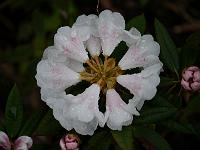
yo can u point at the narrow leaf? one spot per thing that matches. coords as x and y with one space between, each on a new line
124 138
157 114
14 112
99 141
150 139
168 51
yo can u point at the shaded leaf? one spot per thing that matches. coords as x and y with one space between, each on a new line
14 112
138 22
48 125
124 138
150 139
99 141
179 127
32 123
157 114
168 51
190 52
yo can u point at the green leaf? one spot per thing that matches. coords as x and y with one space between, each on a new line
157 114
168 51
99 141
179 127
124 138
14 112
190 52
138 22
48 125
150 138
192 107
32 123
159 101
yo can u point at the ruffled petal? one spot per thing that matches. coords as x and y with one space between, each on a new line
110 27
4 141
53 55
131 37
116 111
87 24
68 41
23 143
83 110
143 54
56 76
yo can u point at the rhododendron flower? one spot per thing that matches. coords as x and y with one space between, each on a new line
82 53
21 143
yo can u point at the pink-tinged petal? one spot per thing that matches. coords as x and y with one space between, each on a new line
195 86
131 37
71 44
23 143
83 110
143 54
4 141
53 55
193 68
62 144
116 113
185 84
93 46
197 76
187 74
110 27
55 76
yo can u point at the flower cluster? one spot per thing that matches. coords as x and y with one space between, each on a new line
21 143
82 53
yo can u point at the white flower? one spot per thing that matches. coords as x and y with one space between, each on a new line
68 63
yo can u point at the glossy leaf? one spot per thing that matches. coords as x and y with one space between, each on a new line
14 112
168 51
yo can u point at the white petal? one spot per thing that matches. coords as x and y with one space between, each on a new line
4 141
131 37
93 45
23 143
53 55
87 24
68 41
57 76
110 27
143 54
140 84
83 110
116 114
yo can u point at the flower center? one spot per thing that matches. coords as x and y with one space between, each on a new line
103 72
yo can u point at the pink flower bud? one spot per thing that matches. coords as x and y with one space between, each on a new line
191 79
4 141
69 142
